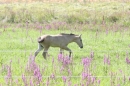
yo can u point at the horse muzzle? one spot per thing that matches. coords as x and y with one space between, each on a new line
81 47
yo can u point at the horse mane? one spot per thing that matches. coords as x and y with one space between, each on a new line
40 40
67 34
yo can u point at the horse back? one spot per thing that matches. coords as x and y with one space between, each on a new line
54 40
57 40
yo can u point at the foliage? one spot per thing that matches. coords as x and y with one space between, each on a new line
103 61
66 12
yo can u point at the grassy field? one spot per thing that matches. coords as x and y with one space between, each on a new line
104 60
60 1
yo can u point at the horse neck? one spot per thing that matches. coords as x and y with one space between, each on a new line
70 39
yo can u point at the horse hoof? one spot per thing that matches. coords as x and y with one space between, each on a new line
45 58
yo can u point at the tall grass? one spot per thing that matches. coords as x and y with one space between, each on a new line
84 1
75 13
104 60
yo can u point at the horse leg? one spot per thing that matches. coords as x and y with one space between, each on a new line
70 52
40 47
61 51
45 51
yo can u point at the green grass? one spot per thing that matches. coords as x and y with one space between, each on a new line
17 46
108 37
67 12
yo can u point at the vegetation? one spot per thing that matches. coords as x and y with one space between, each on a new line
103 61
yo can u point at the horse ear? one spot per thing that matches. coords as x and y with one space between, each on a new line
80 35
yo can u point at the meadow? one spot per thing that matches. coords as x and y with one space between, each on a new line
104 60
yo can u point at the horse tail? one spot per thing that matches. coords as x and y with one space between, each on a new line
40 40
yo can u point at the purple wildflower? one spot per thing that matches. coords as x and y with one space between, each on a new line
62 69
118 85
52 76
93 79
31 66
98 81
9 74
120 71
64 78
82 85
60 57
35 69
69 83
64 60
16 81
39 27
106 60
86 61
69 72
127 60
48 27
24 80
31 83
84 75
38 75
75 85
